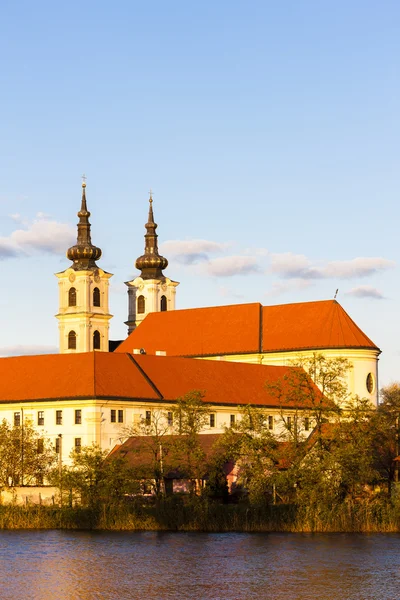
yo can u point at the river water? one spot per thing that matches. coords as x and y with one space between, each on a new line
122 565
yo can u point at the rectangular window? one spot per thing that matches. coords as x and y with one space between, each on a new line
289 423
40 417
120 416
78 444
58 445
58 417
270 422
113 415
148 417
212 420
17 419
306 424
78 417
232 420
170 419
40 446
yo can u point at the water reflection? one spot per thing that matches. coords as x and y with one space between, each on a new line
119 565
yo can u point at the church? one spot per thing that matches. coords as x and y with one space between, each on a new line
94 387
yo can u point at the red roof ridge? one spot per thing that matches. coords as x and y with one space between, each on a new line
144 374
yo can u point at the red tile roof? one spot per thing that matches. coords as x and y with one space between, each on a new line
124 376
87 375
223 382
247 328
310 325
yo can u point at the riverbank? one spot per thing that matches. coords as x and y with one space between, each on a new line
206 517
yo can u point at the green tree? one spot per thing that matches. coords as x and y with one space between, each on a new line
254 449
190 416
153 449
26 457
386 434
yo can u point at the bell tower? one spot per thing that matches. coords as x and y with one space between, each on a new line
83 313
151 291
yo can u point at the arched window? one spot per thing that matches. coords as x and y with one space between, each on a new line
141 305
96 297
96 340
163 303
72 297
72 340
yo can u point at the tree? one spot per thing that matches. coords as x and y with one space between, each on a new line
190 416
26 457
386 432
154 444
93 478
254 449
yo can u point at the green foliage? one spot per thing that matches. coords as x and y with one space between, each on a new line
156 447
91 479
254 448
190 416
25 456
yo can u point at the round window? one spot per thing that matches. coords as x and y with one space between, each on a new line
370 383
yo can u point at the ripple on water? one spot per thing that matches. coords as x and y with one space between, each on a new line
118 565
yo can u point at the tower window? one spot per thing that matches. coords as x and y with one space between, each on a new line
96 297
72 297
40 417
163 306
96 340
141 305
72 340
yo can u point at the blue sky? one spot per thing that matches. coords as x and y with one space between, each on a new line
268 131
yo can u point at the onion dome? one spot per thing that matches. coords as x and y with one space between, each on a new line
83 254
151 263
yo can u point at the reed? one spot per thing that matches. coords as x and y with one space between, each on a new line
199 515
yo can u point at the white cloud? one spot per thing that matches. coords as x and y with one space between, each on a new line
27 350
16 217
189 252
298 266
366 291
357 267
227 266
290 265
42 235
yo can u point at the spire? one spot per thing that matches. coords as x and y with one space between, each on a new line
151 263
84 254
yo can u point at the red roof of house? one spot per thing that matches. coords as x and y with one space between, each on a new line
148 378
247 329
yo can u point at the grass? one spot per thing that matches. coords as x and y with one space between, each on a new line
197 515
